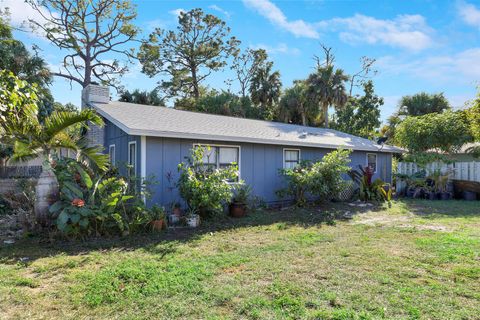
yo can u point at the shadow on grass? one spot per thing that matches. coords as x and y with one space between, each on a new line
436 209
164 243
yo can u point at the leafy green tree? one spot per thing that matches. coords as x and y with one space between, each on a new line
198 47
69 107
15 57
473 117
326 86
445 132
246 66
295 107
92 32
265 89
142 97
422 103
361 115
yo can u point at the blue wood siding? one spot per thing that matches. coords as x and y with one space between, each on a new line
259 165
117 137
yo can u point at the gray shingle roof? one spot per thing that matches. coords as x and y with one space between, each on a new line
136 119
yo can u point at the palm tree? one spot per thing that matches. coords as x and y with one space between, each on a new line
60 131
20 127
326 87
265 89
294 105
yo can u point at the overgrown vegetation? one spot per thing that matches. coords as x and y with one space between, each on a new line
321 180
204 188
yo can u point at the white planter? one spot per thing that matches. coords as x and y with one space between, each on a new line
193 221
47 186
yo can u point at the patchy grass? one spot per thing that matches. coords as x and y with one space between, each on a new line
415 260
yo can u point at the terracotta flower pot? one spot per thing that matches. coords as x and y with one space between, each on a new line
238 210
158 225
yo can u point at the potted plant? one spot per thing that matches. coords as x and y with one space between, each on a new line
157 215
177 209
238 206
192 219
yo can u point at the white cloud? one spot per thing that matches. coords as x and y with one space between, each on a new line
20 11
409 32
469 13
176 12
157 23
462 67
281 48
222 11
298 28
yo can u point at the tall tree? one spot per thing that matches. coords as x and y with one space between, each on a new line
361 115
198 47
91 32
151 98
28 66
422 103
326 86
265 89
245 66
295 107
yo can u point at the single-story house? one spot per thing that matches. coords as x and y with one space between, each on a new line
154 140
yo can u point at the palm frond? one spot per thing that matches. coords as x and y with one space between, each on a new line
23 151
61 120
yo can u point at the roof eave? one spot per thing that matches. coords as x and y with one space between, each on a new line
184 135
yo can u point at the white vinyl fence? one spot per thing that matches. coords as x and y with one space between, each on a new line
467 171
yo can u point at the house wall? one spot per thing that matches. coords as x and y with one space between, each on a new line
118 137
259 165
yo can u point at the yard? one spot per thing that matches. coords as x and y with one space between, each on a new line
413 260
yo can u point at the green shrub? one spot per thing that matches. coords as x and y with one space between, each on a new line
321 180
205 189
95 204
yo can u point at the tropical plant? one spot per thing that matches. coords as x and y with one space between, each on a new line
321 180
241 193
90 203
246 65
376 190
294 107
422 103
205 189
265 89
326 88
445 132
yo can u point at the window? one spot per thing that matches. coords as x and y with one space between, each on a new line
372 161
221 156
111 154
291 158
132 157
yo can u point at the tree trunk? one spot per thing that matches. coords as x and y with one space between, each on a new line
196 91
304 118
325 114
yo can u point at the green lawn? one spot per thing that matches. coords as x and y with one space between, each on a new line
414 260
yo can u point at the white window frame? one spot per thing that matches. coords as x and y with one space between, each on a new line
129 160
110 154
196 145
291 149
376 160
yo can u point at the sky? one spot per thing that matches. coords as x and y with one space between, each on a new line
429 45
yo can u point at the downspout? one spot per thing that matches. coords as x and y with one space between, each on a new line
143 164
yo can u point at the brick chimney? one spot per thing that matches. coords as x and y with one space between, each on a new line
95 94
